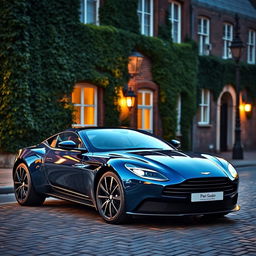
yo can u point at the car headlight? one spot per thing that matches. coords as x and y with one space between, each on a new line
146 173
232 170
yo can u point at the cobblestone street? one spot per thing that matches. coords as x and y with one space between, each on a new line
60 227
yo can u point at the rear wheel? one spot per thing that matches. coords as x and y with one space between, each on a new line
110 198
24 192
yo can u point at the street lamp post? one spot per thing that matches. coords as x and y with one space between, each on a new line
236 48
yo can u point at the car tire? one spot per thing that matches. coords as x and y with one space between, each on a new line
23 188
110 199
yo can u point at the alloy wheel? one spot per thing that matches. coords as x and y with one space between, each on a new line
21 183
109 197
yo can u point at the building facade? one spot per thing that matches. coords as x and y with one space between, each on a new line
211 25
179 92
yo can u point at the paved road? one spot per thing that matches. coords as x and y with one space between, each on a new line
61 227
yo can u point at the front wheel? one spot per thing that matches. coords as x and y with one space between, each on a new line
110 198
24 192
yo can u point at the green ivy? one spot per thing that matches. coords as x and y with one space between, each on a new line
45 50
120 14
214 73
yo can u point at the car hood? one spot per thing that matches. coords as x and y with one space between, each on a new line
186 165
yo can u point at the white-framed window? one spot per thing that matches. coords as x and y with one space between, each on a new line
178 127
251 47
175 19
227 39
84 98
145 13
145 110
205 107
203 36
89 11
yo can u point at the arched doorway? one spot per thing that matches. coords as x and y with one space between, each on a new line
226 130
225 119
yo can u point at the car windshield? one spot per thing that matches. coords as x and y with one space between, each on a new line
121 139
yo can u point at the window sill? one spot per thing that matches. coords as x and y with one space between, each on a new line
202 125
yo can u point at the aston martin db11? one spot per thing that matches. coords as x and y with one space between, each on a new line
123 172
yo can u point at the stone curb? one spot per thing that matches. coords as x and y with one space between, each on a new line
6 190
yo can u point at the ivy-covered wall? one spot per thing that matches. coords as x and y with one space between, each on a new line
45 50
214 73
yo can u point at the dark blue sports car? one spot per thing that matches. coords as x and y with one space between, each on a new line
124 172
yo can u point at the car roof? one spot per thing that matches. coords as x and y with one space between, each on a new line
96 127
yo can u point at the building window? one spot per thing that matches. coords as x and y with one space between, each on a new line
175 19
89 11
251 47
205 107
145 13
178 127
145 110
227 39
203 36
84 98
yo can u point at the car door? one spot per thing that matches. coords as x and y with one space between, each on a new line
65 168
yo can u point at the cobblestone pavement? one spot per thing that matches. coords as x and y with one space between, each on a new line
60 227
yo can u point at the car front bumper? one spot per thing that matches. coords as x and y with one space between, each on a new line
147 198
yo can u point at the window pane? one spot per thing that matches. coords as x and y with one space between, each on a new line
147 119
82 10
199 25
176 12
147 25
205 29
139 98
76 95
139 119
91 11
77 113
88 115
147 6
89 96
148 99
140 5
175 31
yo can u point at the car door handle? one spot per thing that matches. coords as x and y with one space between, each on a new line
81 165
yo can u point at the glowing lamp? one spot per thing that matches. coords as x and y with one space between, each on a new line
248 107
134 64
130 98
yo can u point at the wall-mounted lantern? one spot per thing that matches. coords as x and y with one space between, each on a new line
129 97
134 64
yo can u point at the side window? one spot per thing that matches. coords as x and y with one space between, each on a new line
70 136
52 141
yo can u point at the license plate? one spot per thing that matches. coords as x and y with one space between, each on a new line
208 196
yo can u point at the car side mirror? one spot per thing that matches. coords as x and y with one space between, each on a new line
175 143
67 144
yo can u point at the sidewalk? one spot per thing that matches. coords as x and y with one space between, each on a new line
6 184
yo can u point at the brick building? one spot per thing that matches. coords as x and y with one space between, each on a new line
211 24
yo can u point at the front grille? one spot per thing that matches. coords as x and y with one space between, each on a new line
184 190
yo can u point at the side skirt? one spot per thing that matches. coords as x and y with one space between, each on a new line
69 195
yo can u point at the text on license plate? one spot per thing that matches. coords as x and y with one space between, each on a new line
207 196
